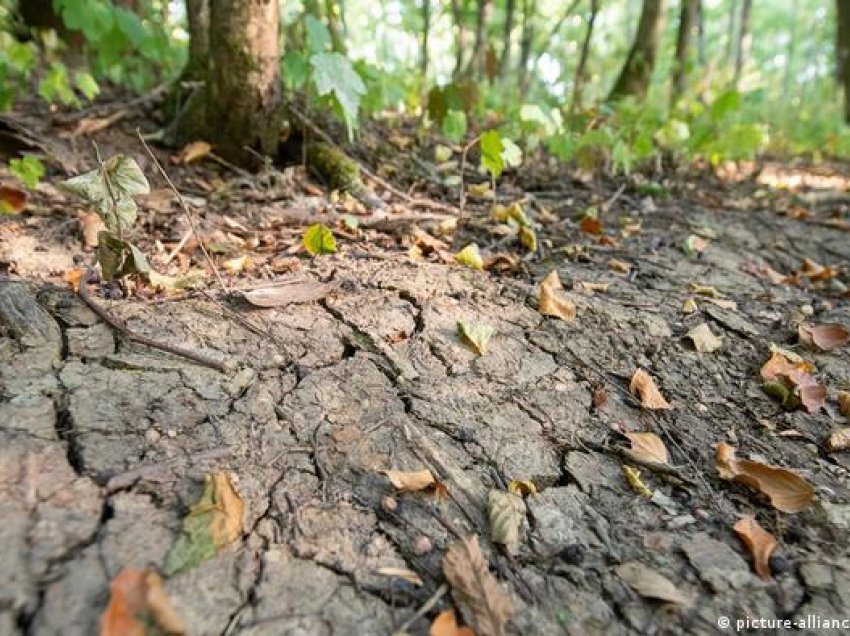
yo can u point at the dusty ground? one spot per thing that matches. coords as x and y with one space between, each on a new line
105 443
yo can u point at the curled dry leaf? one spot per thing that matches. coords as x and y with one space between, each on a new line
138 605
591 225
816 272
759 542
633 477
446 625
647 448
704 340
643 386
282 295
523 488
191 152
412 481
483 602
73 277
824 337
506 511
551 303
787 491
12 200
838 440
650 584
788 378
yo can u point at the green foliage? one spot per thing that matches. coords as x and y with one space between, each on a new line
28 169
454 125
334 75
491 152
318 239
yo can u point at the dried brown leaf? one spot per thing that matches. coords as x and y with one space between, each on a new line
647 448
824 337
551 303
411 481
482 600
643 386
137 601
12 200
838 440
282 295
844 403
191 152
446 625
759 542
786 490
650 584
704 340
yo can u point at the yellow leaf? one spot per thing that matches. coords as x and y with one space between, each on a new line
528 238
522 488
236 265
192 152
480 190
633 477
690 306
470 256
551 303
477 335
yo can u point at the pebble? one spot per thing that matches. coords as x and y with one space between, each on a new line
152 436
422 546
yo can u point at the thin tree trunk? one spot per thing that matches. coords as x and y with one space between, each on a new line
241 104
458 13
687 21
333 12
744 40
504 60
788 80
637 71
426 31
556 28
475 66
701 45
842 48
526 39
731 23
198 20
581 69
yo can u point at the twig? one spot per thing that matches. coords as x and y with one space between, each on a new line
431 602
143 340
463 154
321 134
185 208
179 246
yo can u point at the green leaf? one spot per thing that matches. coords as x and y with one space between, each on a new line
727 103
56 86
491 152
119 258
318 239
318 36
28 169
470 256
334 75
86 84
126 177
476 335
295 70
512 154
454 125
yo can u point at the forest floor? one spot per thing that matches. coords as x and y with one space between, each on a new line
105 444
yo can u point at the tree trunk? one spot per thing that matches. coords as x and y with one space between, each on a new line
637 71
240 105
730 33
842 48
458 13
198 21
581 69
475 66
526 39
788 79
687 23
333 12
504 60
426 32
744 40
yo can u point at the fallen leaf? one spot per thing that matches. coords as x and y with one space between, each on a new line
411 481
816 272
446 625
211 524
591 225
650 584
647 448
759 542
442 153
616 265
589 288
838 440
694 245
724 303
502 262
138 605
282 295
825 337
633 477
644 387
704 340
705 290
844 403
403 573
90 226
12 200
73 277
689 306
787 491
788 378
523 488
528 238
506 511
318 239
551 303
476 335
480 190
191 152
483 602
236 265
470 256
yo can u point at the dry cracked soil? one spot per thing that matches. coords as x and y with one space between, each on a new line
104 444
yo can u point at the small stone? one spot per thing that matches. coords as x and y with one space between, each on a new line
171 433
779 564
152 436
572 554
807 310
422 546
389 504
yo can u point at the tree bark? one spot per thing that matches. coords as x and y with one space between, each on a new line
688 16
475 65
426 32
842 49
458 13
637 71
504 59
581 69
198 21
240 105
730 33
525 42
744 40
